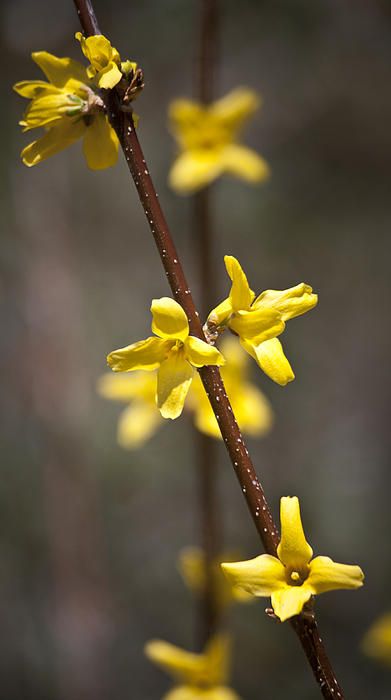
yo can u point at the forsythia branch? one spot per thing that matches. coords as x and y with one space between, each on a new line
304 625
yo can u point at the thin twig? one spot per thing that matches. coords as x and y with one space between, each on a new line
304 626
210 516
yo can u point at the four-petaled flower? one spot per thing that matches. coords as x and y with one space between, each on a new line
196 675
250 406
258 321
293 577
206 135
174 353
70 106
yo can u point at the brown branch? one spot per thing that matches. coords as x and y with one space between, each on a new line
304 626
206 451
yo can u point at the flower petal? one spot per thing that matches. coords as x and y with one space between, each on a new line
50 108
187 692
98 50
137 423
240 295
377 641
293 550
173 382
326 575
109 76
235 107
245 163
290 601
34 88
259 576
199 353
100 144
182 665
271 358
251 408
125 387
185 117
194 169
169 319
289 302
221 313
257 326
55 140
145 354
59 70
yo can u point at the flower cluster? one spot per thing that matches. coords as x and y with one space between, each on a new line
70 106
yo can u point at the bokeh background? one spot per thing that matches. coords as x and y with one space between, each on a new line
89 533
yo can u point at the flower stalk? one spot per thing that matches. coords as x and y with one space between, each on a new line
210 517
304 626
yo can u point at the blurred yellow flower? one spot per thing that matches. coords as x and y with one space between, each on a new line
252 409
196 675
294 577
174 353
259 321
70 107
191 564
207 135
140 420
377 641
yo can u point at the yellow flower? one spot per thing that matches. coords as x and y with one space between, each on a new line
140 419
207 136
377 641
293 577
70 107
258 321
196 675
192 568
105 61
252 409
174 353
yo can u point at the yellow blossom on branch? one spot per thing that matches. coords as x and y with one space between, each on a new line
174 353
207 139
140 419
70 106
250 406
258 321
196 676
293 577
192 568
377 641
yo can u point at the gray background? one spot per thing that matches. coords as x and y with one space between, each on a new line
89 534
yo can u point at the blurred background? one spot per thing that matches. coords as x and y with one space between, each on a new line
90 533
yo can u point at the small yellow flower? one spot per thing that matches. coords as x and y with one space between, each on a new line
258 321
207 135
105 61
192 568
174 353
251 408
140 420
196 675
70 107
377 641
294 577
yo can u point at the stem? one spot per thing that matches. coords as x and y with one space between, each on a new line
205 445
305 627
